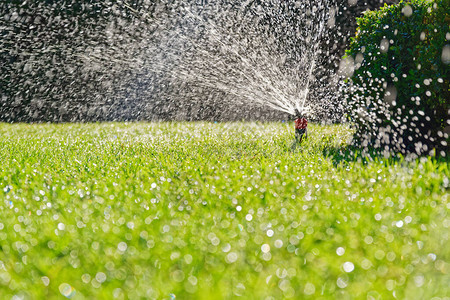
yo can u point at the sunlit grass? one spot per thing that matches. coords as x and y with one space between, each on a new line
210 211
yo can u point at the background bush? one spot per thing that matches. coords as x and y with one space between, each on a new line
398 93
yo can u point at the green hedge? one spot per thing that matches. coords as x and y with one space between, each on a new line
398 89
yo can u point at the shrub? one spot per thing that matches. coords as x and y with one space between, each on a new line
397 88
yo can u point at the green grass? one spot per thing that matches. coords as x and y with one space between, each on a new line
211 211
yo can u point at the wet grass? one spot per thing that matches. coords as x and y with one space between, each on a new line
210 211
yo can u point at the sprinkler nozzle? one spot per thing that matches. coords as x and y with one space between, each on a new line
302 112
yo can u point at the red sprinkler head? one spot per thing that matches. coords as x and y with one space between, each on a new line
300 129
301 123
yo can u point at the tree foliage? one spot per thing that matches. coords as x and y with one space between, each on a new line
399 95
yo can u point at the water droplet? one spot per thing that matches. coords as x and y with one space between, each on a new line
309 289
446 54
348 266
231 257
384 45
177 275
100 277
67 290
341 282
45 280
407 10
278 243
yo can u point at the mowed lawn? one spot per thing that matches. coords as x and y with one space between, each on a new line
216 211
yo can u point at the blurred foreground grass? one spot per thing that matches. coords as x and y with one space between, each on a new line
211 211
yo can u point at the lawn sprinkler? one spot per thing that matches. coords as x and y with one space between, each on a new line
300 125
